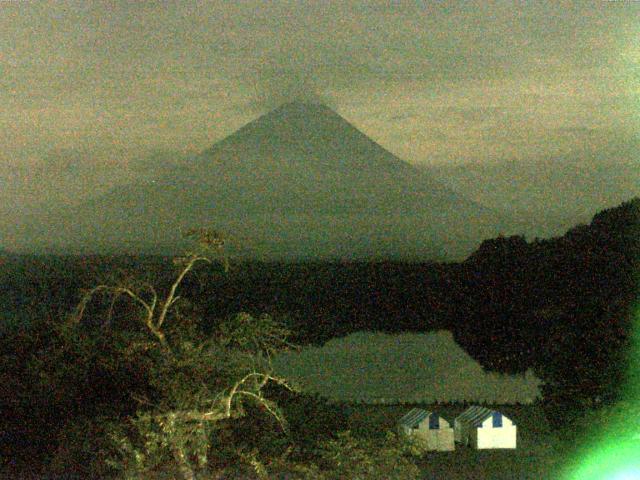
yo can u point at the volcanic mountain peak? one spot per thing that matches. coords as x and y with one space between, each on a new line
306 135
299 181
295 119
298 111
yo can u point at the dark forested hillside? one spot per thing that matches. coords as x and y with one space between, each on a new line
561 306
505 302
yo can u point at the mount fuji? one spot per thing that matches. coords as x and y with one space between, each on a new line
299 182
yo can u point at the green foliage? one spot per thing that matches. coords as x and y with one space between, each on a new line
256 336
152 441
82 447
67 381
180 384
357 459
193 392
312 419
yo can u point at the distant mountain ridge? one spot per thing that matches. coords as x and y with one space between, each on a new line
297 182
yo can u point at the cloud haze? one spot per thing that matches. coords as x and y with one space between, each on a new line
90 88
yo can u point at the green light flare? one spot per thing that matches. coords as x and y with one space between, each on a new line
614 452
613 460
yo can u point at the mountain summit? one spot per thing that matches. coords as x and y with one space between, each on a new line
305 157
297 182
304 131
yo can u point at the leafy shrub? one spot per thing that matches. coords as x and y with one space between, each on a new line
353 458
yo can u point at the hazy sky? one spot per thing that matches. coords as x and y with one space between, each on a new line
90 89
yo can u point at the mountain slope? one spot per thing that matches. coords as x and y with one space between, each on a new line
297 182
302 156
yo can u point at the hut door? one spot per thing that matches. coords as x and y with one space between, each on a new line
497 420
434 422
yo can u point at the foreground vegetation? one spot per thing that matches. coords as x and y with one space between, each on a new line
167 372
139 390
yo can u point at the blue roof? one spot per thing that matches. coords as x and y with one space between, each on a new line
475 415
414 417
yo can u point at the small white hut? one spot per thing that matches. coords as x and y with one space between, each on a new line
429 429
481 428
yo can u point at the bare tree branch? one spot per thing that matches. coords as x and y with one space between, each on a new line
171 299
262 401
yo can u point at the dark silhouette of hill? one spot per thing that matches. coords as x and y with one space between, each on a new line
299 182
562 306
